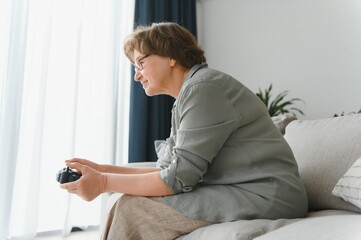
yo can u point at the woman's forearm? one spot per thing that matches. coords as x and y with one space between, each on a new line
147 184
104 168
126 170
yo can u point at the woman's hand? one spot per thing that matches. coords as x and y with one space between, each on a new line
85 162
90 185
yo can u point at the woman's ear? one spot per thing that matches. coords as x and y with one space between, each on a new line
172 62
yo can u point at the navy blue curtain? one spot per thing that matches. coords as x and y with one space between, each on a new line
150 116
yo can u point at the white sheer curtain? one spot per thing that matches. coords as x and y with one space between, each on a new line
64 93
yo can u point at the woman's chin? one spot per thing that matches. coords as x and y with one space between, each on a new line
148 92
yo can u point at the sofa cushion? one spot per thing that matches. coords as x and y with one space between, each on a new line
237 230
324 150
349 186
323 225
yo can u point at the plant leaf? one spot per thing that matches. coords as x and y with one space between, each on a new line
279 105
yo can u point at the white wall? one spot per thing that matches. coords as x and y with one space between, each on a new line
310 47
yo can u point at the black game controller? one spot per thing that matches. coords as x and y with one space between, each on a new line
67 175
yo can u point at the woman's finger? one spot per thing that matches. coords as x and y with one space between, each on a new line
77 166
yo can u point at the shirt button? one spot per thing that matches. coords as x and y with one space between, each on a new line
174 161
187 189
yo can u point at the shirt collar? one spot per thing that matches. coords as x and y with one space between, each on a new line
190 74
193 70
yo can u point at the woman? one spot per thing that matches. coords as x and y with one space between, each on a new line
225 160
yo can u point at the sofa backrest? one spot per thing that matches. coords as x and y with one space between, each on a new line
324 150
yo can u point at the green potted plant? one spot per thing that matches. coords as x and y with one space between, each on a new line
278 105
343 113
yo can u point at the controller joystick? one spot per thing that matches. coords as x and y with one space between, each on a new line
66 175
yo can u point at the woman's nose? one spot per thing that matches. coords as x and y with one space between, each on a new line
137 75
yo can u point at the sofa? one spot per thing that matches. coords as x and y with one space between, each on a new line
328 153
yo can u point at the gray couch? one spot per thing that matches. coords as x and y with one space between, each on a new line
325 150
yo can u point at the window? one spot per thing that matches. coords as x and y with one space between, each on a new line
71 100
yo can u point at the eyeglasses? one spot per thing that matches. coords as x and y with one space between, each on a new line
138 64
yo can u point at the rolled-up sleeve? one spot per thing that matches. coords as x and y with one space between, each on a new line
204 119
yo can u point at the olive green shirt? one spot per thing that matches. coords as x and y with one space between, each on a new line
225 160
